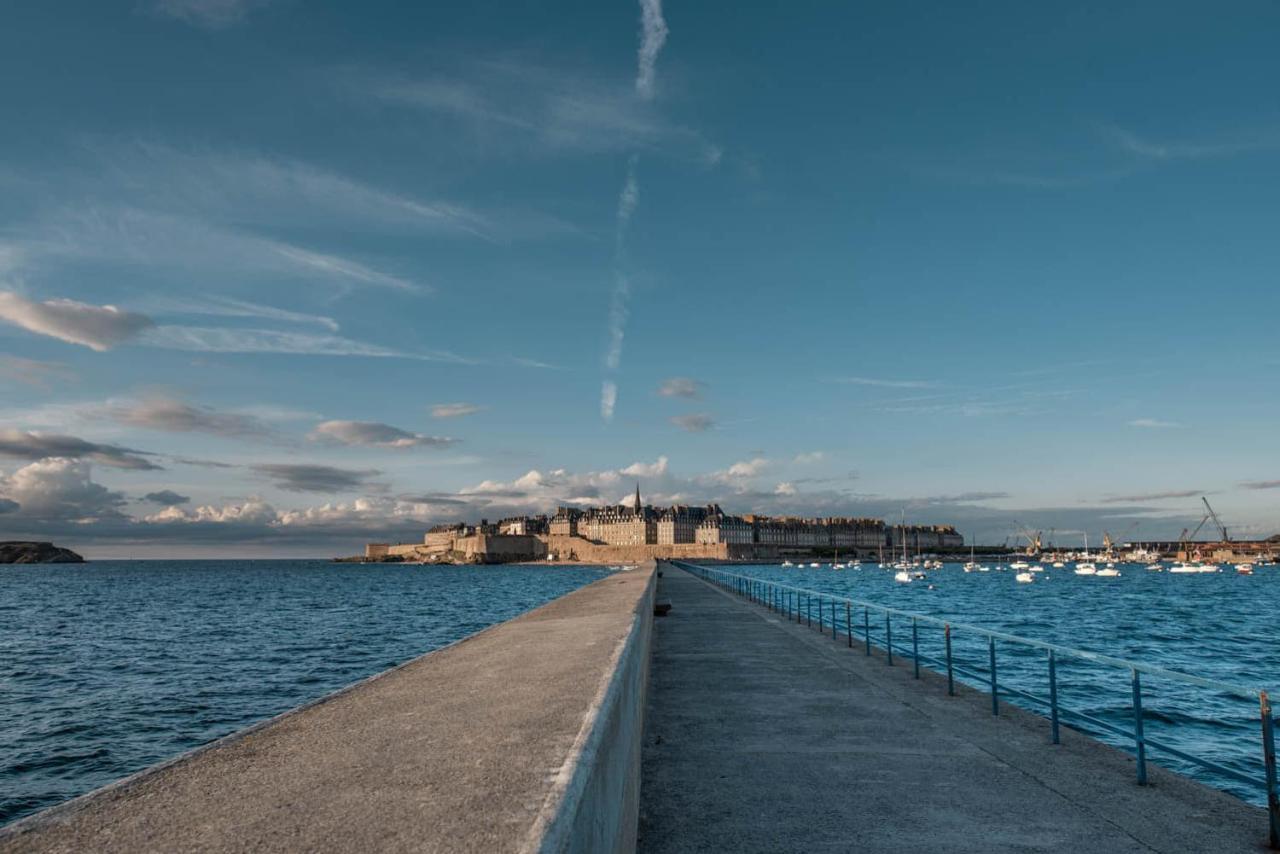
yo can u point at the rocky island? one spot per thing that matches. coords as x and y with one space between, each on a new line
20 552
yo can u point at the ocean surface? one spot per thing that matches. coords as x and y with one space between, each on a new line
1223 626
111 666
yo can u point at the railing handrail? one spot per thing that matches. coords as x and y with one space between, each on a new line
1123 663
769 592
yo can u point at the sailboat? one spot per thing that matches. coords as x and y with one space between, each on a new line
972 564
1086 567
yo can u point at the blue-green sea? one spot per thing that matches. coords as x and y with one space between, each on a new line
111 666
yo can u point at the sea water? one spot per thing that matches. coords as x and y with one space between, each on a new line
111 666
1221 626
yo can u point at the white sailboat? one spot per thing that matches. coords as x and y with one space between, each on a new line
1086 567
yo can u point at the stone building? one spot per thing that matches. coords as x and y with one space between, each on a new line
523 525
924 537
620 525
565 522
722 528
679 524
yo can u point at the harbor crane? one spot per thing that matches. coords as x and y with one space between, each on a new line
1226 538
1109 542
1033 538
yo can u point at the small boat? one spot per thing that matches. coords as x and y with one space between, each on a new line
1024 578
814 565
1086 567
1057 564
787 563
1108 571
1035 567
1184 568
902 577
1244 568
1020 565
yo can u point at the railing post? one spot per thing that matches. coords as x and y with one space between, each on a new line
848 621
866 627
1269 761
995 689
821 607
951 679
808 610
915 646
888 640
1139 741
1053 696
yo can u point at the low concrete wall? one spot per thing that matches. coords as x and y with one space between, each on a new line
595 804
523 737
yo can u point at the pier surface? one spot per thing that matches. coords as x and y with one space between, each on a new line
525 736
762 735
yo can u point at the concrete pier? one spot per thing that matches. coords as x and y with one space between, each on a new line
524 737
762 735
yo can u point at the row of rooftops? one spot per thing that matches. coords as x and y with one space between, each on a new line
541 523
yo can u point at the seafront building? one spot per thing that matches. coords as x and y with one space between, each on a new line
636 531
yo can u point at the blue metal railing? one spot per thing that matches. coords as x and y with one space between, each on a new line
799 603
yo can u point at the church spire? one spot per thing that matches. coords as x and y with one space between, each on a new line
637 506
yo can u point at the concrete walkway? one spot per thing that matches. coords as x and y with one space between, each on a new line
765 736
522 737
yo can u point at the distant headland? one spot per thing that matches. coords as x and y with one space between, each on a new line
28 552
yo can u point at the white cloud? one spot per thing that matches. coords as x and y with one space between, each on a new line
1132 143
454 410
200 339
41 375
29 445
255 511
375 435
739 471
608 399
175 416
312 477
784 488
619 311
681 387
98 327
809 458
343 268
183 243
229 307
694 422
629 198
59 489
882 383
537 109
655 469
248 188
653 36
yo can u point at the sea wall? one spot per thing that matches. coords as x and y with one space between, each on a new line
523 737
586 551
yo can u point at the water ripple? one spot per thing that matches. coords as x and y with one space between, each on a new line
112 666
1218 626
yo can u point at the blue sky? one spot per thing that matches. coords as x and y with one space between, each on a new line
307 274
